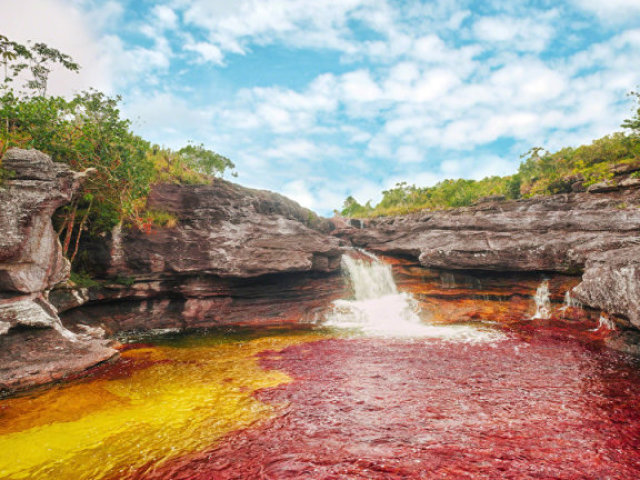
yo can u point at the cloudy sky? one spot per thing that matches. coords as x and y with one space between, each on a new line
325 98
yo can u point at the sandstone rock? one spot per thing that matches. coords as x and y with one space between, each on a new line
35 348
30 254
611 282
491 198
27 312
556 233
207 301
630 183
606 186
34 357
223 230
623 168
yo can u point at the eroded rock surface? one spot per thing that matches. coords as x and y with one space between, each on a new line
224 230
34 346
30 254
557 233
611 282
234 256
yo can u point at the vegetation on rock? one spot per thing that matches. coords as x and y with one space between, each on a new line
88 131
540 173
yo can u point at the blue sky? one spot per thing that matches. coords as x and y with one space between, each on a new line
328 98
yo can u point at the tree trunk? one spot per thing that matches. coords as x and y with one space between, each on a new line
70 225
83 222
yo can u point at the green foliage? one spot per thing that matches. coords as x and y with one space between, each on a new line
205 161
351 208
634 123
161 218
171 167
540 173
88 132
83 280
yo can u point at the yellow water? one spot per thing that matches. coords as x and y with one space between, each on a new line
185 395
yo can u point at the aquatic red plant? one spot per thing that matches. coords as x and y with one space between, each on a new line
392 409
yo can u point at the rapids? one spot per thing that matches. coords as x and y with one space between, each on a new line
413 374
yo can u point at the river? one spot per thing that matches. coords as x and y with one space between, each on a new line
408 377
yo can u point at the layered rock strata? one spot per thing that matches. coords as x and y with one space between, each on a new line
556 233
596 232
34 346
232 256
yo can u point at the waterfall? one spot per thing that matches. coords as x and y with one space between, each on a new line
570 302
543 302
377 308
604 322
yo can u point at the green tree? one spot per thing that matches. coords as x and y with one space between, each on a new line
633 124
39 59
205 161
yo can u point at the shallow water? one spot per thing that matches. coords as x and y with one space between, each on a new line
505 397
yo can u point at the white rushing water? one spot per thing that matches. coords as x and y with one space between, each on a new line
543 301
379 309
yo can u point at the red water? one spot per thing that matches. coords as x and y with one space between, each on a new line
540 408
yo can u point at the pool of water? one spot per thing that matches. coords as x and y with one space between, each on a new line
470 387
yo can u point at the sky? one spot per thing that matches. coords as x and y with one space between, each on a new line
323 99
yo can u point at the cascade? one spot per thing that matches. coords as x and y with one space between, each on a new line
570 302
604 322
543 302
378 308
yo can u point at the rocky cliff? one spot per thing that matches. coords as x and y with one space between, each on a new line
594 232
34 346
232 256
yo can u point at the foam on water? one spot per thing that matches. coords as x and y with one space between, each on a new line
379 309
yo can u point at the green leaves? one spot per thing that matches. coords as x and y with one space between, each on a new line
634 123
205 161
38 58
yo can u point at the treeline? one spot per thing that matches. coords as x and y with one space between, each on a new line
540 173
88 131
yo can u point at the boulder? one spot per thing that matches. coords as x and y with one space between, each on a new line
30 254
611 282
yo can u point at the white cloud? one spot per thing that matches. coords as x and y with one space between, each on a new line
524 34
409 154
293 150
73 34
358 86
611 10
207 52
165 17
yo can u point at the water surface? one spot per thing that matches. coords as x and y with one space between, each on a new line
432 379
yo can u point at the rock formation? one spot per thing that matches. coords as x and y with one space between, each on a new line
234 256
34 346
556 233
596 233
611 282
221 229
